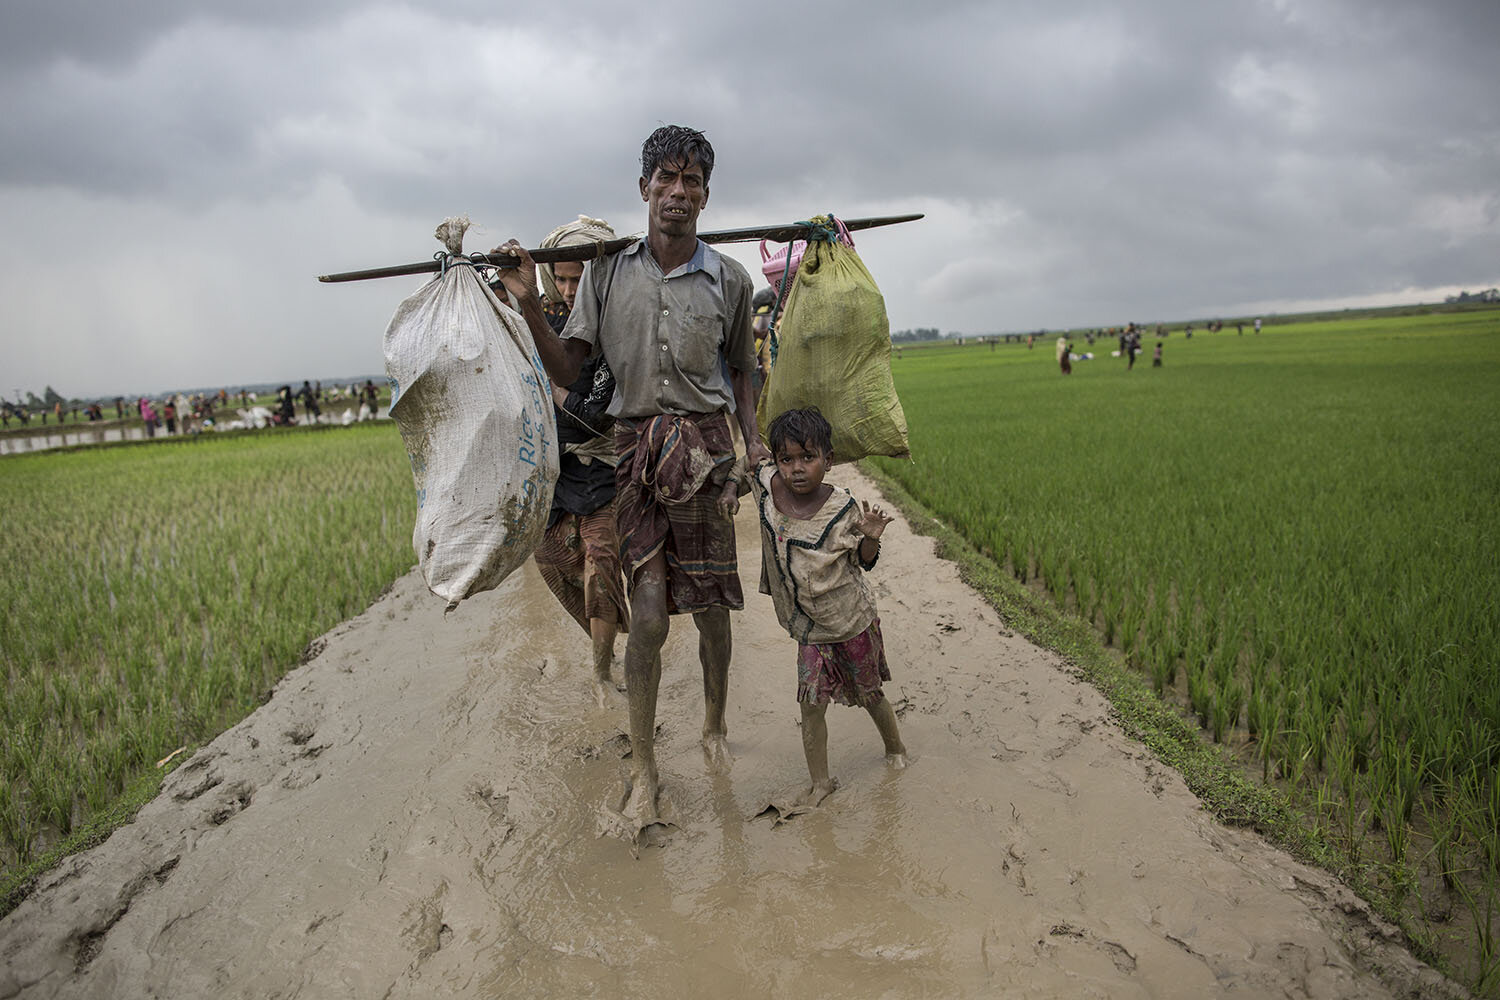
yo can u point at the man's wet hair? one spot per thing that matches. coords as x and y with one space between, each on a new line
806 427
676 144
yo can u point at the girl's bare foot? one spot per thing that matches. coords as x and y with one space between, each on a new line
817 793
896 761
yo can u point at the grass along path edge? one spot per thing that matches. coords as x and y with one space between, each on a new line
1176 740
18 882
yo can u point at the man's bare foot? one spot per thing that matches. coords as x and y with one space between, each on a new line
896 761
716 753
640 801
817 793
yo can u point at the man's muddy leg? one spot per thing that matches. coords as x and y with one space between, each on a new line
648 630
815 747
885 721
715 645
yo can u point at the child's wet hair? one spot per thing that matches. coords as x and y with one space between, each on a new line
806 427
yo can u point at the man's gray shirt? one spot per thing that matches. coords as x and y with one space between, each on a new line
666 336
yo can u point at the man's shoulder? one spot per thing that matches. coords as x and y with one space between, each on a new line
732 271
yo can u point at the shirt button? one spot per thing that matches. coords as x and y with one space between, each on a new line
664 312
664 347
666 382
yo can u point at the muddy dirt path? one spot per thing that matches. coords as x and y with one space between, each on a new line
414 814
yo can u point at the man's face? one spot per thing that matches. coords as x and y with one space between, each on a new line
566 274
675 194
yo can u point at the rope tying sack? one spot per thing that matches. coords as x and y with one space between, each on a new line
819 229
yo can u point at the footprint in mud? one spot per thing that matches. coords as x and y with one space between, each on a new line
87 940
236 797
947 624
1013 865
1116 953
193 784
300 733
425 932
1047 781
616 747
1063 748
498 805
205 783
1004 753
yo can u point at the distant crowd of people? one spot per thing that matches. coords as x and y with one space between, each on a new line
180 413
311 397
1129 338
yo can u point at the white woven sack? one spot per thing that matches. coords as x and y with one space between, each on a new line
475 410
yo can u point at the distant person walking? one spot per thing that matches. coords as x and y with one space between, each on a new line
1063 350
286 412
309 399
1257 324
148 416
1156 356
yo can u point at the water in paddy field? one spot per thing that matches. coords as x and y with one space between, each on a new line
46 438
66 437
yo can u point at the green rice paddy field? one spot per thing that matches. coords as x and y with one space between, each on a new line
155 592
1293 534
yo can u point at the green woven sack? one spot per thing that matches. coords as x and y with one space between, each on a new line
833 351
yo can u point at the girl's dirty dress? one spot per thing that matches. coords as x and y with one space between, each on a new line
812 571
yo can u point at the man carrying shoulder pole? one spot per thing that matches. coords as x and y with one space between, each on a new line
666 313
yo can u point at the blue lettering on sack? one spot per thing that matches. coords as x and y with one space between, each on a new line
527 450
534 440
541 397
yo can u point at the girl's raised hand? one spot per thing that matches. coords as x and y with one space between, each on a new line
873 521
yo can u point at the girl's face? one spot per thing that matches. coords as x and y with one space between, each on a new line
801 470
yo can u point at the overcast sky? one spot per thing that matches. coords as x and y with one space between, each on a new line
174 175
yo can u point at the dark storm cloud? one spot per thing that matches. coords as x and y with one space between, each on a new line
40 32
1079 164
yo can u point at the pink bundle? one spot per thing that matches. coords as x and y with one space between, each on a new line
774 265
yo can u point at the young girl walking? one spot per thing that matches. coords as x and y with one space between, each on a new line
817 541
